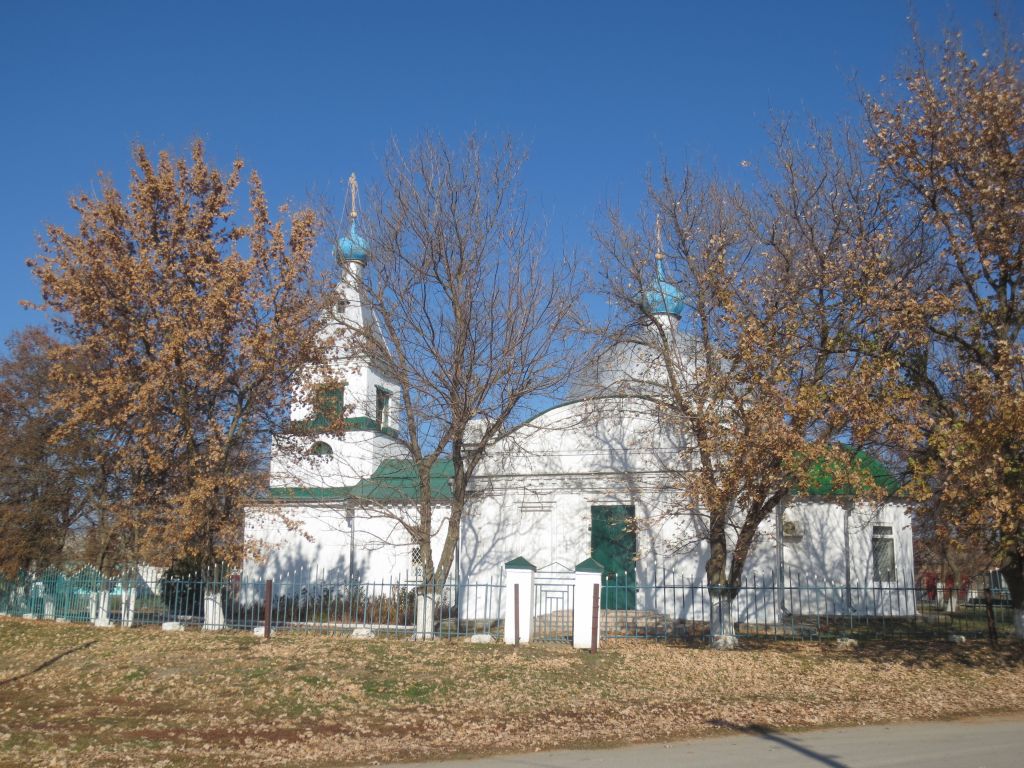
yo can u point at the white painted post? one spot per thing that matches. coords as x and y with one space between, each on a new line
588 576
49 608
518 590
128 606
425 602
102 618
213 609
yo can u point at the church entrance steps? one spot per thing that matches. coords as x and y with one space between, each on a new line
553 627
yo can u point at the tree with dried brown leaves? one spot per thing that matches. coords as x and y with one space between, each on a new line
950 146
46 481
769 359
184 328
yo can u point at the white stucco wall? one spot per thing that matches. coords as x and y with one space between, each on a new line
532 497
355 455
333 543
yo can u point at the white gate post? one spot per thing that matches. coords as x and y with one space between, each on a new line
586 617
213 608
518 595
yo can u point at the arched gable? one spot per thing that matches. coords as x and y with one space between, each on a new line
597 435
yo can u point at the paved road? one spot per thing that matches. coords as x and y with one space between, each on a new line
978 743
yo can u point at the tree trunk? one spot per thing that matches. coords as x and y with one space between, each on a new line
458 505
723 625
424 528
724 582
1013 572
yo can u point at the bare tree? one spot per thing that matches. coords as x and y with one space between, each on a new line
473 322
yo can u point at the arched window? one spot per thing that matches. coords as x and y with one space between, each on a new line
320 448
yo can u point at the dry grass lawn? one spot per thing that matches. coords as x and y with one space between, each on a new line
80 696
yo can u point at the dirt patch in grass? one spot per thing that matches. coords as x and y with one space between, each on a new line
76 695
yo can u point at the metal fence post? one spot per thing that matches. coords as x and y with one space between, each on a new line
515 611
593 624
268 596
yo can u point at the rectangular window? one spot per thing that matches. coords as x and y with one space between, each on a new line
883 553
328 407
416 557
331 403
383 408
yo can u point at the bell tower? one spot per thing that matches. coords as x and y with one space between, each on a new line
356 394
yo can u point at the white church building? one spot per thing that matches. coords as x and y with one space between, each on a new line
590 478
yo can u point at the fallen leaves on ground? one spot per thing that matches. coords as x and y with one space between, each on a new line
80 696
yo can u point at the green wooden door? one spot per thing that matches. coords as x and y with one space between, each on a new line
613 545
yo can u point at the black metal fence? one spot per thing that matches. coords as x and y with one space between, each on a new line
796 607
668 608
145 596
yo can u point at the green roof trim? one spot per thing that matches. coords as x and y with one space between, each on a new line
395 481
822 480
318 425
590 565
521 564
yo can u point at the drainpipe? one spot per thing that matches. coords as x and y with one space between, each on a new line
846 554
780 555
351 546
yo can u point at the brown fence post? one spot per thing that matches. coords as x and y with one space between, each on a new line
993 636
268 596
593 624
515 610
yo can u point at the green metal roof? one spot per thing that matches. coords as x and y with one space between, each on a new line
590 565
822 480
521 563
395 480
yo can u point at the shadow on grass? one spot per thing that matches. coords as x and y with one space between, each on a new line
768 734
936 654
47 663
910 653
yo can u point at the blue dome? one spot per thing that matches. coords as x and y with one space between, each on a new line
352 247
664 298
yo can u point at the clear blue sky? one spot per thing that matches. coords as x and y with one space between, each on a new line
307 92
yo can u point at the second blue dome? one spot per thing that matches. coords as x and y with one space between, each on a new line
352 247
663 298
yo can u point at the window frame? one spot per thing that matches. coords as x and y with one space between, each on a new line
382 411
883 535
316 449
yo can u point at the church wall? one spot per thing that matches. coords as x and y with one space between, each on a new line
552 530
323 552
356 454
332 543
533 496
